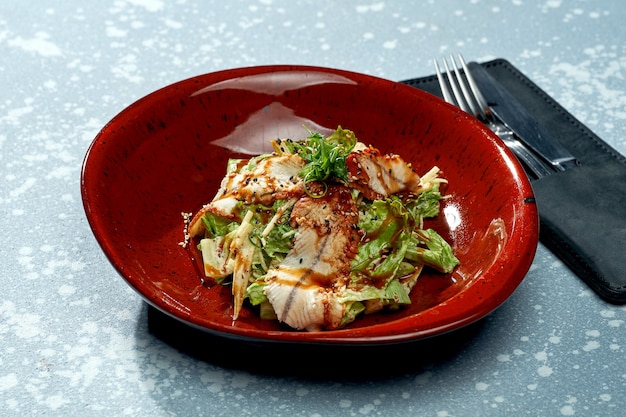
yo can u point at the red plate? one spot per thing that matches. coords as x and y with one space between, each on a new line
166 154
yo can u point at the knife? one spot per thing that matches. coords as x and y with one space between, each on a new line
515 116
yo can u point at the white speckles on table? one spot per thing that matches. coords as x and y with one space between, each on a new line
73 336
39 44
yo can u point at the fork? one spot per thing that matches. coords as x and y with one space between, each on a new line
461 90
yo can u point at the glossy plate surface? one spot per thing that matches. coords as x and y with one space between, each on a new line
166 154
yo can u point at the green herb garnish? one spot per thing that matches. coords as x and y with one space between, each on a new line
325 157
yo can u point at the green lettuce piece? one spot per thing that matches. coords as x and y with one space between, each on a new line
353 309
255 293
217 225
392 292
426 204
364 293
405 268
437 253
267 312
396 292
279 241
236 165
387 235
233 165
256 297
271 249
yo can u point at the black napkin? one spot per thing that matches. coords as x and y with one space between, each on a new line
582 210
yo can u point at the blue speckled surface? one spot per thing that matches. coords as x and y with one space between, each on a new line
73 335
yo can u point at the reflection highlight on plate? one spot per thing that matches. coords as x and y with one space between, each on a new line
276 83
253 136
489 246
453 216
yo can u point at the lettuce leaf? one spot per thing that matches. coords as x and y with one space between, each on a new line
437 253
218 226
426 204
387 226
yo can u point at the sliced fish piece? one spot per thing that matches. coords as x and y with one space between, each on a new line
304 289
379 175
272 178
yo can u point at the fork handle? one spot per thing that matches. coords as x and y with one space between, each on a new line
531 161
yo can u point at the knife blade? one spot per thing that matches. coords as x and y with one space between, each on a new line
517 118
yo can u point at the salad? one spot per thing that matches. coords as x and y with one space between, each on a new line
320 231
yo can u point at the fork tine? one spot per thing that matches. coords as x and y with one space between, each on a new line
447 95
460 100
483 107
470 99
465 93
